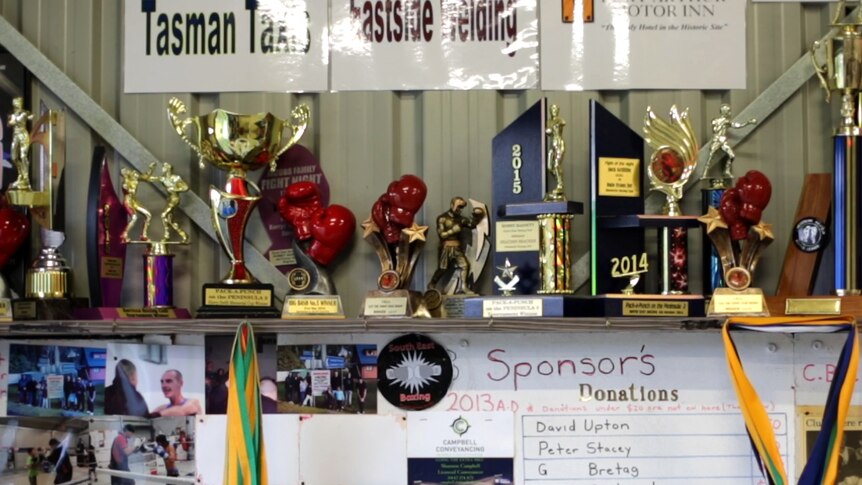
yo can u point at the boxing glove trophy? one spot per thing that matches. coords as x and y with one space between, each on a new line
740 236
320 234
398 241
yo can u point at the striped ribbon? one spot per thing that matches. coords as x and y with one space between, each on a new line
822 465
245 460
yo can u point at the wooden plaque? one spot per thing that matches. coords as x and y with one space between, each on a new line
800 266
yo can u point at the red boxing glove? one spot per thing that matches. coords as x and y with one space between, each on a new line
14 228
331 230
299 203
406 196
754 192
729 209
396 209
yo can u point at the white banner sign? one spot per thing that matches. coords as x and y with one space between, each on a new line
643 44
434 44
225 45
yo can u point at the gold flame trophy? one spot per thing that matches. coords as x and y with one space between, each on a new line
842 73
48 284
237 144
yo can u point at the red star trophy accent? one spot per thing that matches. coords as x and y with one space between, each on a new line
739 236
398 241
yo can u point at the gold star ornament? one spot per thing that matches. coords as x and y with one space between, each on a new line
713 220
415 232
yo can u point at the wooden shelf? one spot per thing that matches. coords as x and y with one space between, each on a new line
109 328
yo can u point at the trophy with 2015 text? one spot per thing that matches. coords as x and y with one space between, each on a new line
236 143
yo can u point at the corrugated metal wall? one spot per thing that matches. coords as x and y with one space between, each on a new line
366 139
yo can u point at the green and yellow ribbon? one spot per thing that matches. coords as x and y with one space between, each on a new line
245 461
822 465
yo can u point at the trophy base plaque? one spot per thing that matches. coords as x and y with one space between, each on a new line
46 309
453 305
394 304
253 300
303 307
621 305
5 310
814 305
729 302
521 306
28 198
111 313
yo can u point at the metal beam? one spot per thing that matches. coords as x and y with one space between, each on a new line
123 142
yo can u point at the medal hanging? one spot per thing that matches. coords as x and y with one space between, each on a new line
822 465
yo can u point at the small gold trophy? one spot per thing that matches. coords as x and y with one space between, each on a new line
237 144
740 237
48 283
158 260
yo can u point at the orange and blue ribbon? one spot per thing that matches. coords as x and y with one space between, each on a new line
822 465
245 460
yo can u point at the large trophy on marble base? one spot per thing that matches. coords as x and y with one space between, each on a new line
48 291
236 144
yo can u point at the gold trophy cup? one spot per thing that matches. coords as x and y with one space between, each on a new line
237 144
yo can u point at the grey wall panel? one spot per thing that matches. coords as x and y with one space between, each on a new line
366 139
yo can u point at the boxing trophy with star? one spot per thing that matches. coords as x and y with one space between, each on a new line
398 240
739 235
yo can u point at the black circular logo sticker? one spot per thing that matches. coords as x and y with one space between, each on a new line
414 372
809 235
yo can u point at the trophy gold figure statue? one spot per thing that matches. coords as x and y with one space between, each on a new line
556 152
713 188
718 145
392 231
841 72
237 144
672 163
48 282
464 249
740 236
158 260
320 234
20 149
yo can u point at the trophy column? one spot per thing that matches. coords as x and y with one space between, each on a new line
713 275
842 73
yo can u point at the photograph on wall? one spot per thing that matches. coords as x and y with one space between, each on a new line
850 461
218 350
55 380
153 380
327 378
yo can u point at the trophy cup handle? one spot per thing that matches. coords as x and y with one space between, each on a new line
299 115
820 70
175 109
